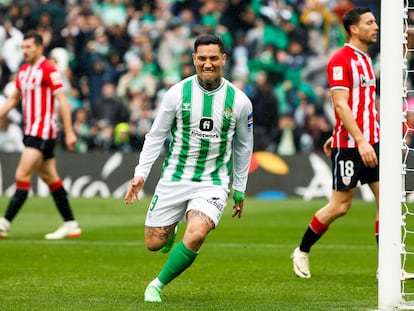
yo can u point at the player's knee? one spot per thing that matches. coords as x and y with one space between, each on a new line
194 240
153 246
47 177
154 243
22 175
198 237
343 209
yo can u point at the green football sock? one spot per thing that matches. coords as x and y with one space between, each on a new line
179 260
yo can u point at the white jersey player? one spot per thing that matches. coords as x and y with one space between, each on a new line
210 123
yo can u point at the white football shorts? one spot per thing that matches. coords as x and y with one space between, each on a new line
172 200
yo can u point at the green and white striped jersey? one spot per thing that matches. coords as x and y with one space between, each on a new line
211 135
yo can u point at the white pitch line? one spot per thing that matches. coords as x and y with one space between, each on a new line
208 244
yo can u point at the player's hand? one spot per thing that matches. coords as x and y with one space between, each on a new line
238 198
70 140
367 153
134 189
327 147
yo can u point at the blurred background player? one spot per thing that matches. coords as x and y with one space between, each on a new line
38 85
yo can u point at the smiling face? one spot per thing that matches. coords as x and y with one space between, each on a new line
209 61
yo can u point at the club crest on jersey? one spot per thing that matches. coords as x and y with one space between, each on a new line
337 73
228 113
206 124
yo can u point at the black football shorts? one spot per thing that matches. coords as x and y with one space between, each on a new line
45 146
348 169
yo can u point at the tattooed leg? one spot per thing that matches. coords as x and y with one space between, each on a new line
157 237
198 226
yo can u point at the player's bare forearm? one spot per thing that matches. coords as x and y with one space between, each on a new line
66 116
64 111
340 102
365 149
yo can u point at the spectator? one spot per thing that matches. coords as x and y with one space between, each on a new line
101 45
81 127
316 131
112 12
173 44
60 57
135 80
267 61
17 14
11 134
288 136
240 56
135 49
110 109
265 111
82 34
99 73
187 22
237 16
122 137
295 61
306 102
150 65
317 18
102 38
341 7
142 116
212 25
48 13
11 55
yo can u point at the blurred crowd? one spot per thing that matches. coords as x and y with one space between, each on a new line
118 58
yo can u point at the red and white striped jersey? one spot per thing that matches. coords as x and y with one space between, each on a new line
37 85
351 69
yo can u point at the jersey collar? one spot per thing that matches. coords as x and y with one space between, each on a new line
41 59
212 91
356 50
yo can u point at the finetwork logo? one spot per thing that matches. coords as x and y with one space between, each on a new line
198 134
206 124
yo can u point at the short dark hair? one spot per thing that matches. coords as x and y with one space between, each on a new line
206 39
31 34
352 17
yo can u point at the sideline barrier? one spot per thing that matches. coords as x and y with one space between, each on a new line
108 175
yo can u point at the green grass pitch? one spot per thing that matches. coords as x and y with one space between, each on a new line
244 264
